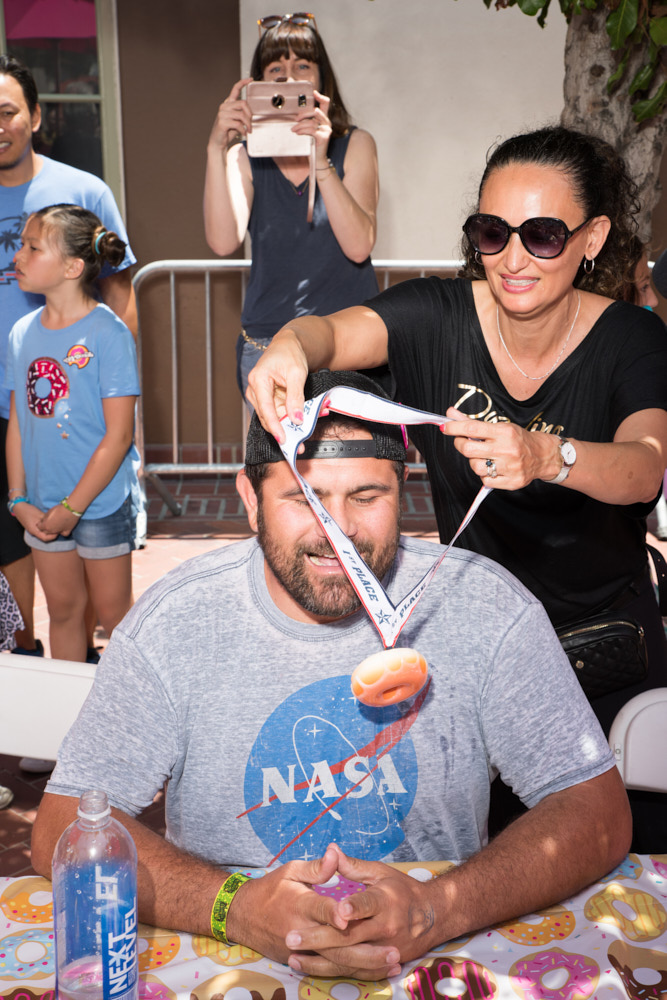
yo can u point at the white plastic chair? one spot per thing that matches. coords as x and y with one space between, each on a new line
638 739
39 701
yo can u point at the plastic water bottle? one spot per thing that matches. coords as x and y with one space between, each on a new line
95 906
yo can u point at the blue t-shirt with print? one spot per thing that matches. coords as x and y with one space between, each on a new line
55 183
60 378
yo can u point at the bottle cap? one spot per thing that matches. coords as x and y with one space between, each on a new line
93 805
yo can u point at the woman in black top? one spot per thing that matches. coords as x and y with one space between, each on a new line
566 387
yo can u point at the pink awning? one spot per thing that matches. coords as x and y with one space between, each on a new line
49 19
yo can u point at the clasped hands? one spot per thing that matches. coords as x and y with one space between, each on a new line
366 936
46 525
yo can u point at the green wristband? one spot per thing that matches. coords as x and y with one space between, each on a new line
65 503
223 901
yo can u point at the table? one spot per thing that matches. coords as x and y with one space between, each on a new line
607 942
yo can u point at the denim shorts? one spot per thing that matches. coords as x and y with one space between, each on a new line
96 537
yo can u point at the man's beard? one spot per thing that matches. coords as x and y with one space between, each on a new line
332 596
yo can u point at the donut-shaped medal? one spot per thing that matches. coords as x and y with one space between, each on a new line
389 677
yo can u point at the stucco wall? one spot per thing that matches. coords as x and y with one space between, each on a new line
175 68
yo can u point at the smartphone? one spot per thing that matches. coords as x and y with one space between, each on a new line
274 108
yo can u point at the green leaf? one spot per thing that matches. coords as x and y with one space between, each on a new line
618 73
531 7
642 79
622 22
658 30
643 110
591 4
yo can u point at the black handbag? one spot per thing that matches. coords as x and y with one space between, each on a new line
607 652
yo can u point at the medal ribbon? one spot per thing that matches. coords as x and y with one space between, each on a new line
388 618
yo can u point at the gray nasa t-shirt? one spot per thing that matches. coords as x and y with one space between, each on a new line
250 717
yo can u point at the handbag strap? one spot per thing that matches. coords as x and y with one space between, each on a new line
630 592
661 573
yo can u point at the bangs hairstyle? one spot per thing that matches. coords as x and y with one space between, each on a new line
305 43
601 185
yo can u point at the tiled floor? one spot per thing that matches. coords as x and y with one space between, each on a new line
212 516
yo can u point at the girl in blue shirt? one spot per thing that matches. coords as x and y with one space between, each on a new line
72 369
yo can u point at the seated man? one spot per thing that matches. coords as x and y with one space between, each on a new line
250 721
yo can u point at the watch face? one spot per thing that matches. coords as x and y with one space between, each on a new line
569 453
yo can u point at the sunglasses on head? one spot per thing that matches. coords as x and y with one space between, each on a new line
542 237
273 20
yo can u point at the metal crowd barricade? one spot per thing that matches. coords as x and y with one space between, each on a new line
387 272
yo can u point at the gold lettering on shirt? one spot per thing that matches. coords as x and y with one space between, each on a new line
477 397
536 423
474 396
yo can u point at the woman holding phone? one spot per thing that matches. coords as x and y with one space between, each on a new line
298 267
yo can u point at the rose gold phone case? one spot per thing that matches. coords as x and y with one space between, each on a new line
274 107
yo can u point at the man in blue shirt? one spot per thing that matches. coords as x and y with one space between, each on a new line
28 182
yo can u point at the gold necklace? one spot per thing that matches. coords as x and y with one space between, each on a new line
538 378
298 188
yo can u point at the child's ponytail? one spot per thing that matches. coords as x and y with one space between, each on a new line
108 246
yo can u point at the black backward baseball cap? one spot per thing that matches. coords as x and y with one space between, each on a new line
387 439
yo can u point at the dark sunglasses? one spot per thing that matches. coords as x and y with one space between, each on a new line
273 20
543 237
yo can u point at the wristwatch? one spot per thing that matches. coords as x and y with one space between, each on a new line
568 456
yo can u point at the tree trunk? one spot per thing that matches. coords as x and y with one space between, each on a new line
589 62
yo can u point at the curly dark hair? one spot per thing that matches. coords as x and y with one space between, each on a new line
80 234
306 43
601 185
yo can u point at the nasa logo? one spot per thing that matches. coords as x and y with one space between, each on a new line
325 768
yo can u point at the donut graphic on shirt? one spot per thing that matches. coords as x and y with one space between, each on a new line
78 355
45 384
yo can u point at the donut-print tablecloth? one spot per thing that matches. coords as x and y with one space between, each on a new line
608 942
